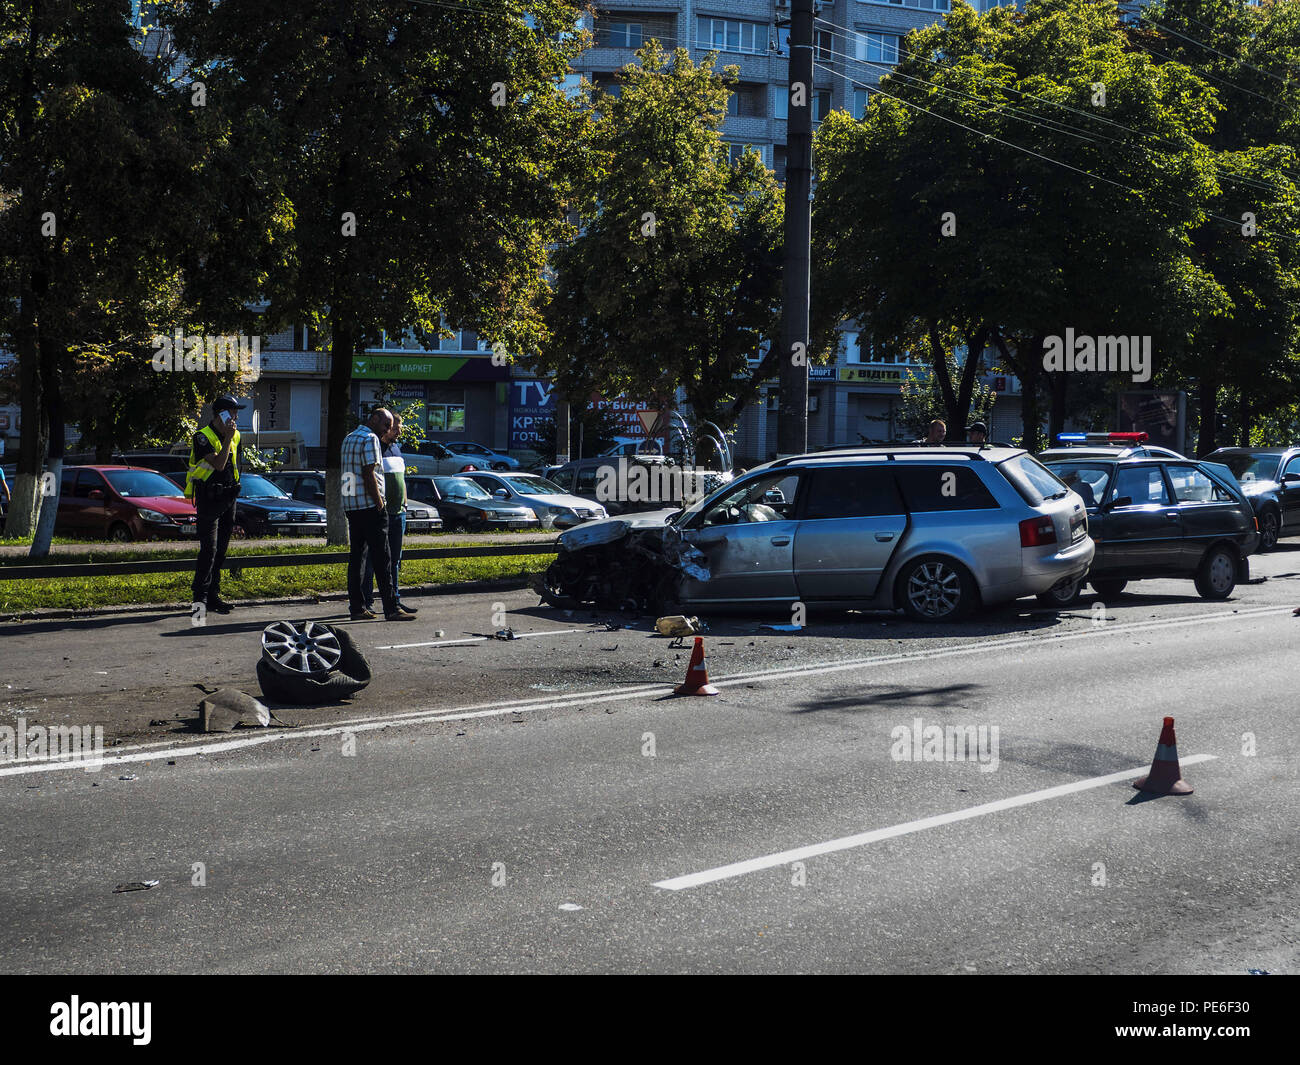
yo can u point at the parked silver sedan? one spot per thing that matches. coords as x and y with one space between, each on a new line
931 530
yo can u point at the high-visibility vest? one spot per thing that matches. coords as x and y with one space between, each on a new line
201 471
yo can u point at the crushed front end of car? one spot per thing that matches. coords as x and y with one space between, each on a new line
634 563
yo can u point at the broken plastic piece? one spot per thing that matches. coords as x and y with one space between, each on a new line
137 885
227 708
677 625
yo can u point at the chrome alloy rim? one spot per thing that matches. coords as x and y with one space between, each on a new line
934 589
308 648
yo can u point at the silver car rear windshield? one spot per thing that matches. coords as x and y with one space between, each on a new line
1034 481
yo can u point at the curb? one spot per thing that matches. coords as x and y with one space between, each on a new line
501 584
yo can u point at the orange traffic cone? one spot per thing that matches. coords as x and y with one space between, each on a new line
697 677
1165 777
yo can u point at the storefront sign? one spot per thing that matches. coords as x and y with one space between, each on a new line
427 368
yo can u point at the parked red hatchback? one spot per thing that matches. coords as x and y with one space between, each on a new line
122 503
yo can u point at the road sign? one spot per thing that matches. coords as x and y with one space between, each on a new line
648 419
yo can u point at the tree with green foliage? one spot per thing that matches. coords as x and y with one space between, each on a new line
426 150
675 276
988 198
104 205
1243 361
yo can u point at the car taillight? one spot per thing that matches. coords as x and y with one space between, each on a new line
1037 532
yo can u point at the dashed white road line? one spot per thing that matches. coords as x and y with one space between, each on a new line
862 839
145 752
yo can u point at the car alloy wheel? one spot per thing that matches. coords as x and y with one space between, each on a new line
121 533
1268 530
1062 594
306 648
935 591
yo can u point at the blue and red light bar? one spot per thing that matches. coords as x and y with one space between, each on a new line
1102 438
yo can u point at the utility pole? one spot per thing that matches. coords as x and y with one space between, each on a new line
792 417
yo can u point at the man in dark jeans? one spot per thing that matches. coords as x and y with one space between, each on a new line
394 467
363 501
212 484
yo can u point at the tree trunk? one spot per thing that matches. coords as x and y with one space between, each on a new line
342 345
1058 383
51 480
21 518
1025 365
974 359
1208 404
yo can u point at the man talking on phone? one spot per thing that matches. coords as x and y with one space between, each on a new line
212 485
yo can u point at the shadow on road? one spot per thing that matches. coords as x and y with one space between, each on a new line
945 699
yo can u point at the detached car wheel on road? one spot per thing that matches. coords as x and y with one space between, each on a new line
310 662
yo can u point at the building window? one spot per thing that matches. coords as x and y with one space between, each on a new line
821 104
615 33
924 5
730 35
747 101
860 98
825 46
877 47
735 152
778 161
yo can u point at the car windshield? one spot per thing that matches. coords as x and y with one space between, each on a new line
531 484
1088 479
1247 468
460 488
251 486
1034 481
128 483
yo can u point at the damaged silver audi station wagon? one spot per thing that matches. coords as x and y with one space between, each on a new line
932 531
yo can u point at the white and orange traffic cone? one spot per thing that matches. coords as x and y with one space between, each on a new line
1165 777
697 677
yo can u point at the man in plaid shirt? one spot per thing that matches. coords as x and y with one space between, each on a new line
363 502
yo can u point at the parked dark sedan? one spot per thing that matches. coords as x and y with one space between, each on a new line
265 509
1160 518
1270 478
464 505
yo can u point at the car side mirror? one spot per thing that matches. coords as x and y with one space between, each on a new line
1121 501
500 493
1290 478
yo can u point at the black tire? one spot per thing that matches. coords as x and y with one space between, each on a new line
1270 526
1111 589
936 589
1216 576
120 532
1062 596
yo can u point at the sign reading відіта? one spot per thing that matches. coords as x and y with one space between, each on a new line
433 368
877 376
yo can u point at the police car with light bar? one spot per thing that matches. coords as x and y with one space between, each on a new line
1107 445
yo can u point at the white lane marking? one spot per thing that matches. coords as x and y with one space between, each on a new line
143 752
862 839
475 639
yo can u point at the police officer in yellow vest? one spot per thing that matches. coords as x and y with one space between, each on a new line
212 485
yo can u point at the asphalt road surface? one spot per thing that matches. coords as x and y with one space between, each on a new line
546 805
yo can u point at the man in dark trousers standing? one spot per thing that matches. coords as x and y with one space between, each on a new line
212 485
362 485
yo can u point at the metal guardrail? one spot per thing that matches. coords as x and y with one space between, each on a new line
22 572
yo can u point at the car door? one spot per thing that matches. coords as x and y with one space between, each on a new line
69 517
748 538
1208 512
850 524
310 489
1144 536
1290 494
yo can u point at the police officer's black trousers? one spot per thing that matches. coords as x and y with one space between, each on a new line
214 526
